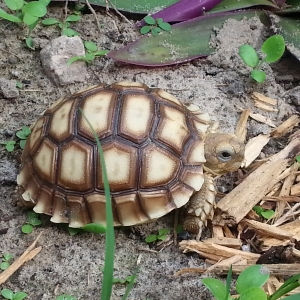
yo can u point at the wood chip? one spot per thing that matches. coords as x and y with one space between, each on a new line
217 232
224 241
235 206
266 229
30 253
264 99
253 148
241 126
262 119
263 102
295 190
216 252
285 127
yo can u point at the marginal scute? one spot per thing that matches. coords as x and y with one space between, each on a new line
128 210
44 202
195 153
62 121
74 171
98 109
193 177
121 167
129 85
136 117
156 203
167 97
180 194
78 211
158 167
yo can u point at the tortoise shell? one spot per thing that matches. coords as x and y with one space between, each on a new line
153 148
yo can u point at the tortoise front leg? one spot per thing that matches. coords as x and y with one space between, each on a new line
200 208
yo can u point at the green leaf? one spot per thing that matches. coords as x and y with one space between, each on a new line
89 57
162 237
155 31
94 228
248 55
22 144
26 130
145 29
258 209
258 75
149 20
9 17
253 293
100 52
151 238
35 222
27 228
10 146
268 214
19 296
73 18
216 287
15 4
35 9
28 19
289 29
298 158
274 48
7 294
163 231
253 276
50 21
70 32
165 26
72 231
75 58
91 46
32 215
7 256
4 265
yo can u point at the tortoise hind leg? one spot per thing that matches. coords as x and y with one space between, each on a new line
200 208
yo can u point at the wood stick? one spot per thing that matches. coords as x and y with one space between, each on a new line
27 255
235 205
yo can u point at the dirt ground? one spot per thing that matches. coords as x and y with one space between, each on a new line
219 84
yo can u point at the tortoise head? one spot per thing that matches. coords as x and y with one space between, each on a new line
223 152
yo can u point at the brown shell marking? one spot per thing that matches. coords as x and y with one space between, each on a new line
153 148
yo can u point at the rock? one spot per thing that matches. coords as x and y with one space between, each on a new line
8 88
8 172
55 56
294 95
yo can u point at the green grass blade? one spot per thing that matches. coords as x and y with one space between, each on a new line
130 285
110 235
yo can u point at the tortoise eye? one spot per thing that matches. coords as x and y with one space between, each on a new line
225 155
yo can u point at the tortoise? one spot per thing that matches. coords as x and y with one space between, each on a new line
155 150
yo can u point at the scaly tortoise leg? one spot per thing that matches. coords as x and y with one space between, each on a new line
200 208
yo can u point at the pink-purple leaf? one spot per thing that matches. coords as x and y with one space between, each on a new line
185 41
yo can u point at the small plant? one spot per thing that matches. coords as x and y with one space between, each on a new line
26 13
249 285
155 26
5 261
161 236
8 294
92 52
265 213
65 25
92 228
65 297
32 221
22 135
273 48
